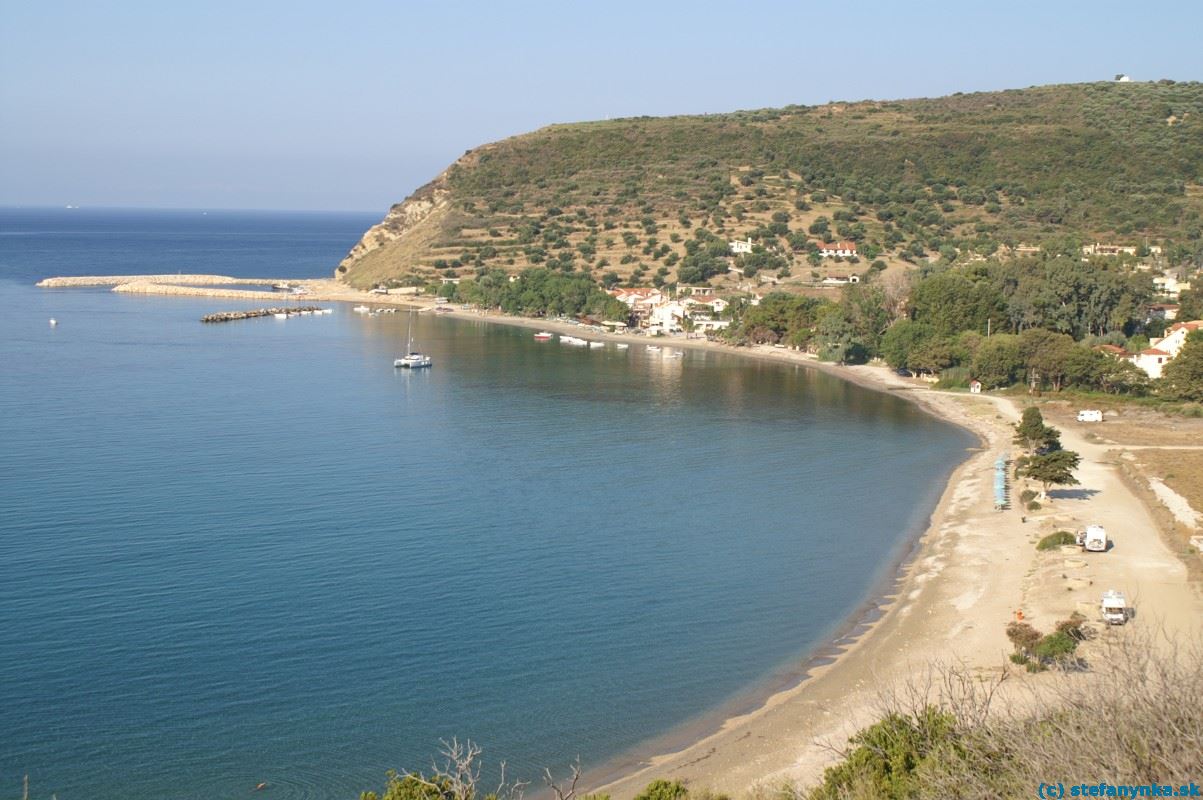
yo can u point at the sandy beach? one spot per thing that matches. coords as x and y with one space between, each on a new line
971 571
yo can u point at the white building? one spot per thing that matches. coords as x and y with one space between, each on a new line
1162 351
710 325
667 316
738 247
1169 285
710 302
638 296
1100 249
841 249
1151 360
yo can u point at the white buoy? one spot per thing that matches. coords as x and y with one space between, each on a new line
53 322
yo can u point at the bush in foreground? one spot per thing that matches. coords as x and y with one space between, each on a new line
1055 540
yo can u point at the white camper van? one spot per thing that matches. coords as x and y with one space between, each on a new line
1090 415
1114 607
1094 539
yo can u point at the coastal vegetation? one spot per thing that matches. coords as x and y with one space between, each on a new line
972 217
1057 539
952 179
536 293
1140 721
1044 461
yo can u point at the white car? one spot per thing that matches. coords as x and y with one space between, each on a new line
1090 415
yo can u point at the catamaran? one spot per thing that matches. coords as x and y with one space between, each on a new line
413 359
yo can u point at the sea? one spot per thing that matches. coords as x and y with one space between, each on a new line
255 552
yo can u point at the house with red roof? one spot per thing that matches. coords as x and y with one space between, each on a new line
841 249
1162 351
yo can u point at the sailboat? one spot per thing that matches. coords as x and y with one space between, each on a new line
412 359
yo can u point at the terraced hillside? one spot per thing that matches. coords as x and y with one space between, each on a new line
655 200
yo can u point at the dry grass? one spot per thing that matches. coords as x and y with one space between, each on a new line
1135 718
1181 470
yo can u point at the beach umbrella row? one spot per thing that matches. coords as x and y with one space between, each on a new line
1000 483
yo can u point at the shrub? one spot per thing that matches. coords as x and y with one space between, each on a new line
1034 506
889 757
1027 496
663 790
1018 658
1023 636
1055 647
1057 539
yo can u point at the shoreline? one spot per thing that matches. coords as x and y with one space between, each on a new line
947 599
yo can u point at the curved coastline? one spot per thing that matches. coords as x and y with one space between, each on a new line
637 764
946 599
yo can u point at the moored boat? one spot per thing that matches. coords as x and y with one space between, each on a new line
543 336
413 359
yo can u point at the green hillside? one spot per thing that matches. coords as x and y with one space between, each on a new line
958 177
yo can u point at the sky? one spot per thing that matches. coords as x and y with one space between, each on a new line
348 105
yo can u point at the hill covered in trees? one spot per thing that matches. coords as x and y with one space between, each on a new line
954 179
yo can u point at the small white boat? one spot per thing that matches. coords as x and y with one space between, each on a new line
573 340
54 321
622 345
413 359
325 311
597 344
677 353
653 348
361 309
281 315
543 336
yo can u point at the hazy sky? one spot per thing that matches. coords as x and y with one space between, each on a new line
352 105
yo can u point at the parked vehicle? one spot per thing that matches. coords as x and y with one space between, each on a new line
1090 415
1095 539
1114 607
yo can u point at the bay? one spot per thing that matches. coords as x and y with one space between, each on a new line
256 552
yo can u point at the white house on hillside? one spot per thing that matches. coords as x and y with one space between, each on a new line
1100 249
1151 360
1169 285
638 296
710 302
842 249
738 247
1165 349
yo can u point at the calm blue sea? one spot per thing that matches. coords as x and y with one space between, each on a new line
256 552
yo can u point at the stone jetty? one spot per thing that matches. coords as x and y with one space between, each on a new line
114 280
230 316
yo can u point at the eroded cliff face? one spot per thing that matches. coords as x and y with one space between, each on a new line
381 242
396 247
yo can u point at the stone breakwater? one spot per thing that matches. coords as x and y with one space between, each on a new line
230 316
150 287
115 280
